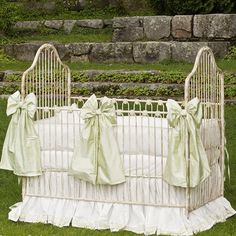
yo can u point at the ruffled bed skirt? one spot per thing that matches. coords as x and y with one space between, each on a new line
113 216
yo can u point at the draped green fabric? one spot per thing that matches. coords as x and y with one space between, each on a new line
96 157
21 148
185 139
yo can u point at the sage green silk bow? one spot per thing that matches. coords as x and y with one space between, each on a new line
21 148
185 142
96 157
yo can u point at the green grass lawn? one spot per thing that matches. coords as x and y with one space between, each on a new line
78 35
10 193
225 65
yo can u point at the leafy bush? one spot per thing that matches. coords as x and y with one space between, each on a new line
5 58
231 53
8 14
138 88
175 7
161 77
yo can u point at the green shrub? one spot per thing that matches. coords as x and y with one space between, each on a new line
230 91
9 13
231 53
177 7
13 78
161 77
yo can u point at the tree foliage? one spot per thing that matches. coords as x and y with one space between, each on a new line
177 7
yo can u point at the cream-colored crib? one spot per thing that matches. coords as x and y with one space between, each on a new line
145 203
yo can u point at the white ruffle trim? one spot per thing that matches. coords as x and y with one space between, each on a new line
113 216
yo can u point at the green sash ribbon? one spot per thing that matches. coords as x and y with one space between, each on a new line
185 142
21 148
96 157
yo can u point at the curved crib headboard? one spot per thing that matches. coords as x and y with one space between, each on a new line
206 80
48 78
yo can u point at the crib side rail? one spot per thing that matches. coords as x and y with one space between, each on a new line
140 125
206 81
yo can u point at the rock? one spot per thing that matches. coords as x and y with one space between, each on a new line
63 51
69 25
214 26
96 24
128 34
28 24
111 52
127 22
54 24
9 50
27 51
186 51
148 52
22 51
157 27
79 49
182 26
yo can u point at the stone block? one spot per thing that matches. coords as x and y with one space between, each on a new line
182 26
69 25
95 24
27 24
53 24
220 49
214 26
23 51
157 27
78 49
149 52
27 51
128 34
111 52
127 22
187 51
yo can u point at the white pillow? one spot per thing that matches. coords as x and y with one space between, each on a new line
142 135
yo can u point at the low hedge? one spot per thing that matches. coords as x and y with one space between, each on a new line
164 78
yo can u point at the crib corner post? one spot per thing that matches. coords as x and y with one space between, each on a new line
188 176
23 179
222 131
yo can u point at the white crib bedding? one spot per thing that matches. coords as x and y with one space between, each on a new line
68 206
141 165
143 143
56 182
135 134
